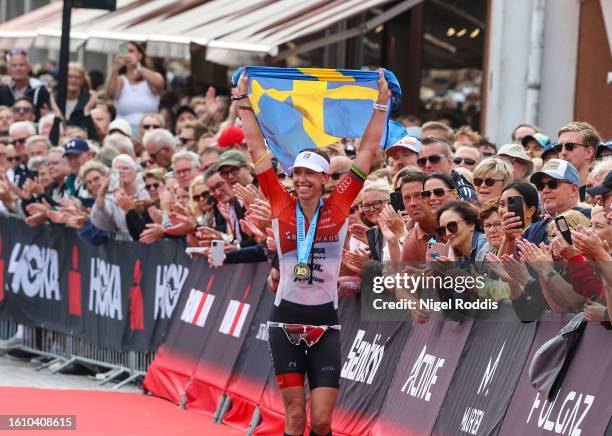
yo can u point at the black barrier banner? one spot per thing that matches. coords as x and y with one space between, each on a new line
252 368
120 295
370 352
583 404
422 377
488 371
242 286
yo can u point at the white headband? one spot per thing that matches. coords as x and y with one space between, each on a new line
312 161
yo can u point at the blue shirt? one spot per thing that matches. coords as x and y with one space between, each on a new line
464 188
536 232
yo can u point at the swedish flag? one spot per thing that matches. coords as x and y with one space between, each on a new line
299 108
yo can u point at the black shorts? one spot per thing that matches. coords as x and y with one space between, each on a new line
321 362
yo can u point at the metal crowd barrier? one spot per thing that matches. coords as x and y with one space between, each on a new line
68 349
7 329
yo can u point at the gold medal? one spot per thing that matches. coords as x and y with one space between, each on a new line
301 271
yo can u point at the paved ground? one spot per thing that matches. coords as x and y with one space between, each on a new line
20 374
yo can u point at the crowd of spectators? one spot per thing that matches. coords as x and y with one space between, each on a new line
114 166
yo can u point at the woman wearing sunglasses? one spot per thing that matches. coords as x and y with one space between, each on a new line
438 190
201 203
304 335
459 225
490 177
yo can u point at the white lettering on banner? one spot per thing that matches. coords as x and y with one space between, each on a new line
471 420
569 417
234 318
169 281
363 359
419 382
197 308
35 271
105 289
489 373
262 333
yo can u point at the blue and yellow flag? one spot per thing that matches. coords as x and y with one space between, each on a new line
299 108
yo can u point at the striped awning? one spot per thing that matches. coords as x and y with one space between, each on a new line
231 30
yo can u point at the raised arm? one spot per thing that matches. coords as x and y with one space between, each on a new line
371 137
254 138
114 85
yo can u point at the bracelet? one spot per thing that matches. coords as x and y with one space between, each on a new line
245 108
240 97
260 160
380 107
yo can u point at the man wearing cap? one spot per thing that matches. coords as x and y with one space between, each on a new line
234 167
577 144
535 144
557 184
467 157
603 194
77 151
404 153
521 163
550 152
604 150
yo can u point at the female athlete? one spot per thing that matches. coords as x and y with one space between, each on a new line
304 335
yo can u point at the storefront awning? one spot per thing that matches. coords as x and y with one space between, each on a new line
232 31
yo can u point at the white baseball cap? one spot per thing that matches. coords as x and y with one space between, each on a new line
408 142
122 125
310 160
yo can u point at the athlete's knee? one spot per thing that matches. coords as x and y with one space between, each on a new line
295 417
321 424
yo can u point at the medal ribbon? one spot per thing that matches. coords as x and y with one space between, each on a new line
305 240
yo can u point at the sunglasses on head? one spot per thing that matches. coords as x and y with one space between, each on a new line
552 184
151 186
467 160
150 126
488 181
203 196
438 192
569 146
452 227
337 176
433 159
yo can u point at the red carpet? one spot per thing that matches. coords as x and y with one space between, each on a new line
108 413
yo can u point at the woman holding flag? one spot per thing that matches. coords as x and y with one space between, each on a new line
304 335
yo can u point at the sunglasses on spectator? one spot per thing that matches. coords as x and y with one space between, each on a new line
337 176
281 176
452 227
354 209
19 141
22 110
569 146
488 181
203 196
375 205
14 158
150 126
488 154
229 172
185 140
467 160
151 186
18 51
552 184
438 192
433 159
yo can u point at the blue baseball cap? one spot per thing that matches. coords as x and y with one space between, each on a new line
603 146
76 146
550 147
557 169
540 138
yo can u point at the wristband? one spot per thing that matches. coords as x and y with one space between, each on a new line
245 108
380 107
260 160
240 97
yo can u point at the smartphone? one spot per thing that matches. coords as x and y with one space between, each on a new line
113 184
515 204
123 48
563 228
217 252
397 201
435 250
